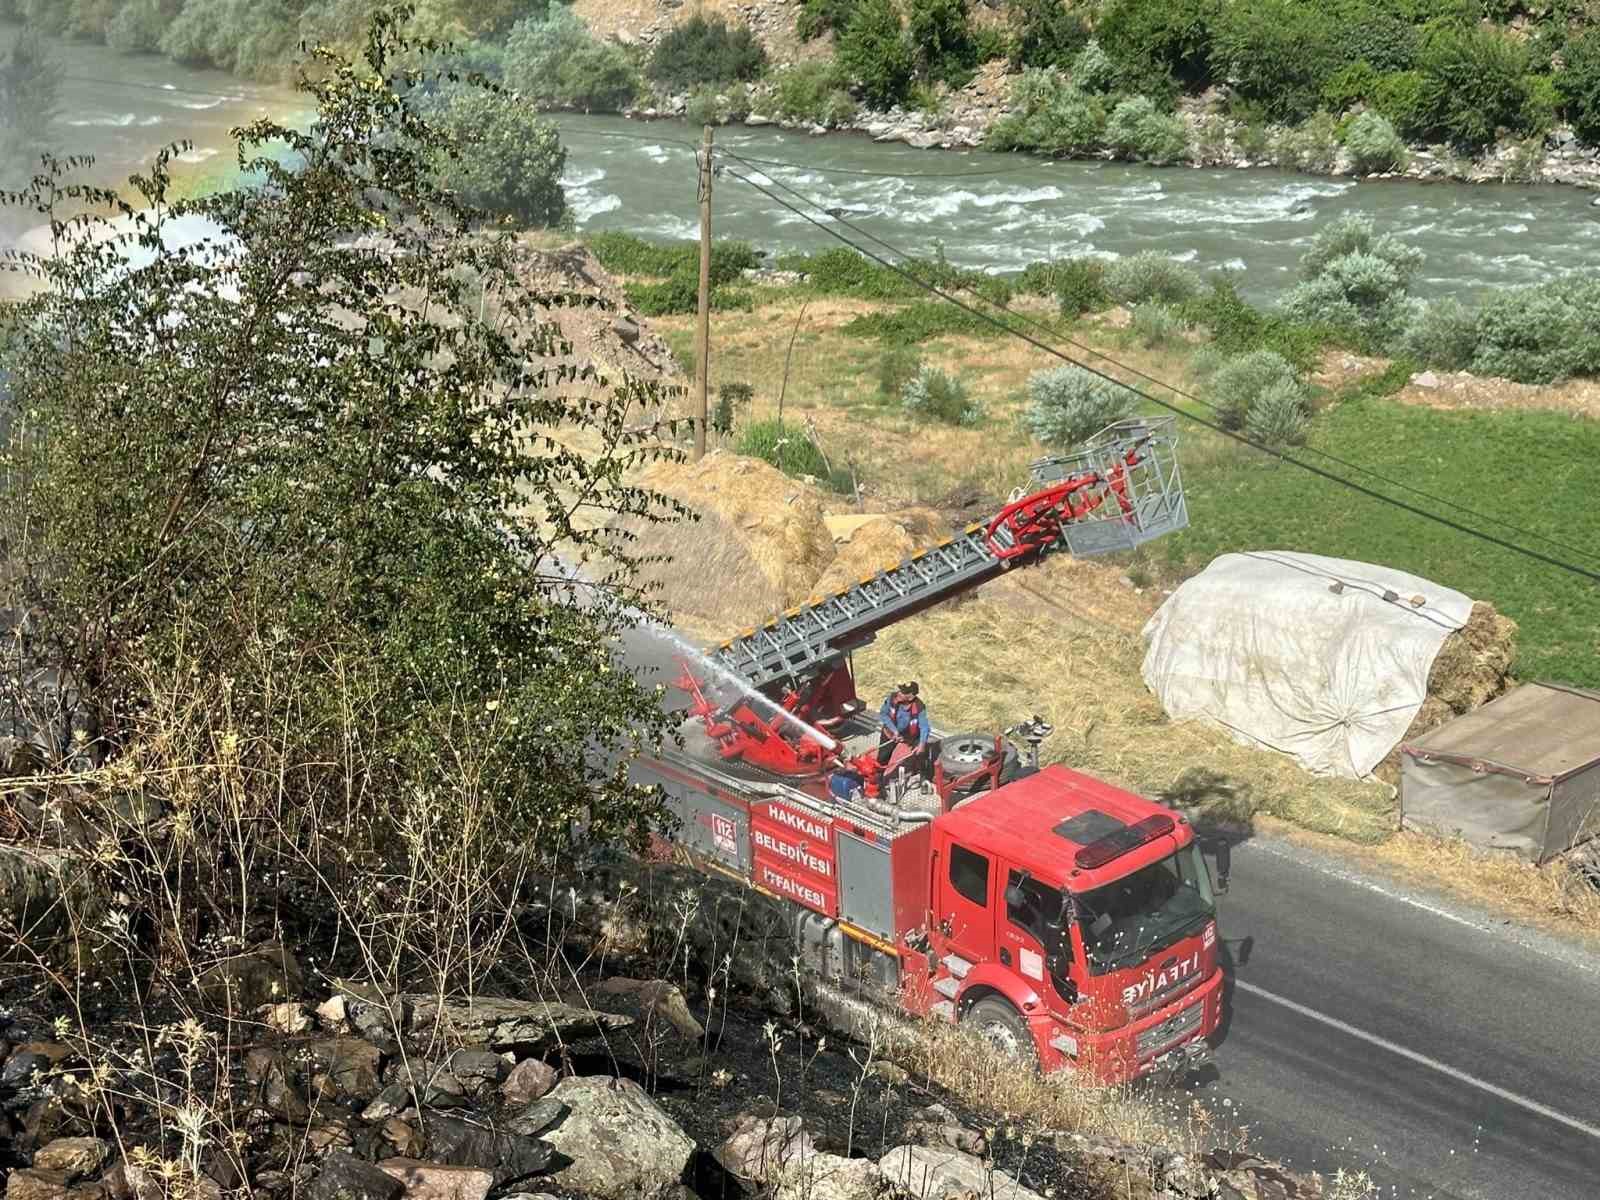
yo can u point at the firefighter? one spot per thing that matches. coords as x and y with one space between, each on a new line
902 719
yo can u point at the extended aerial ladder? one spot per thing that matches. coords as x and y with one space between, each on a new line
1122 489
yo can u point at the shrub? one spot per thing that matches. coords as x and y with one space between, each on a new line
1355 281
1239 381
711 104
1472 85
817 17
935 395
1205 362
914 324
629 254
844 272
784 446
1156 325
1278 415
897 366
1348 86
1277 54
706 50
1150 276
1080 286
1092 69
1138 129
1540 334
1374 145
556 62
507 161
1160 39
874 52
1237 327
814 92
1374 35
1068 405
1311 146
1541 104
137 28
1047 33
1442 334
1049 116
1579 84
731 397
941 40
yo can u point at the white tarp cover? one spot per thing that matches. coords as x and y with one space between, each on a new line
1262 644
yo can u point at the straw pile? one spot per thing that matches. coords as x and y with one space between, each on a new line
705 575
777 520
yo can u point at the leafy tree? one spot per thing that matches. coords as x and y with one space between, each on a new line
941 39
1154 40
1050 116
874 52
507 161
556 61
817 17
706 50
1278 54
1473 85
30 87
1579 84
290 502
1140 130
1047 33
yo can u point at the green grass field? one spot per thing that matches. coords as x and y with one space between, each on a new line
1538 470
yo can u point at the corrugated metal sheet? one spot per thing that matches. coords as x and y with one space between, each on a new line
1540 730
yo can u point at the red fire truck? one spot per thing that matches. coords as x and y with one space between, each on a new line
1069 921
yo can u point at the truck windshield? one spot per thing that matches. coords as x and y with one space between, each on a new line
1145 912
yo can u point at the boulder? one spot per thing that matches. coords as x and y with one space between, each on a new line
74 1157
407 1142
390 1102
31 1183
345 1177
276 1091
777 1156
933 1172
521 1026
438 1181
350 1067
621 1145
50 893
529 1079
534 1119
478 1065
288 1018
508 1156
664 999
267 974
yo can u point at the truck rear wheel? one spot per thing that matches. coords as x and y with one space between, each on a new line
1004 1028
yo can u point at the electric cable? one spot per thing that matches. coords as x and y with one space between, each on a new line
1186 395
1282 456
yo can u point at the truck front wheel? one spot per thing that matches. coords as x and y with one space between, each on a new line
1004 1028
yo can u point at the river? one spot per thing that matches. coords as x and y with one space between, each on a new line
989 211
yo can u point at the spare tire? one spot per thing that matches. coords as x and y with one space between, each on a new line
963 753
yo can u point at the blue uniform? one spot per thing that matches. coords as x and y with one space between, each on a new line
902 717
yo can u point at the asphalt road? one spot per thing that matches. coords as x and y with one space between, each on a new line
1442 1050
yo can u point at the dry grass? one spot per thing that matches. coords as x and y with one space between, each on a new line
706 573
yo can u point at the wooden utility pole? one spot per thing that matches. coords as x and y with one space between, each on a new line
703 349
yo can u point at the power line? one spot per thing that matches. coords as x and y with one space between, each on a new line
1139 374
1361 489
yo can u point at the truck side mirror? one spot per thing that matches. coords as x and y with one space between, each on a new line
1224 861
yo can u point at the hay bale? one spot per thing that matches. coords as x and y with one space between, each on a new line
1474 663
778 520
865 548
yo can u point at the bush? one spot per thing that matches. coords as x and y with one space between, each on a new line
1068 405
712 104
1355 281
1150 276
1348 86
554 61
935 395
731 397
785 447
1047 33
1473 85
1080 286
1311 146
845 272
917 323
1278 415
629 254
1540 334
506 161
1239 382
1442 334
817 17
941 40
1579 85
1237 327
1140 130
1049 116
813 92
679 294
1277 54
1374 145
1092 69
706 50
1152 40
897 366
1156 325
874 52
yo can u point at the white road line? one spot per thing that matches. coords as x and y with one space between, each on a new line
1573 959
1434 1064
